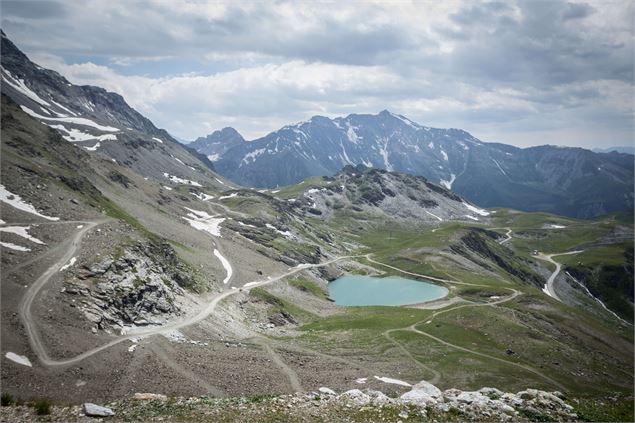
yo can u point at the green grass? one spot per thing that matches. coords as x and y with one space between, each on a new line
309 286
279 305
7 399
42 407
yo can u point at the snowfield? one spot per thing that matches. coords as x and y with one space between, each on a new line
204 222
21 231
14 200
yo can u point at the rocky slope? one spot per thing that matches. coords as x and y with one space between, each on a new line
99 121
424 402
368 193
567 181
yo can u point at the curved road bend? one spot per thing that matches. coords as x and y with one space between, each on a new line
36 341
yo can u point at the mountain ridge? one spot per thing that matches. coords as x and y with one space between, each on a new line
565 180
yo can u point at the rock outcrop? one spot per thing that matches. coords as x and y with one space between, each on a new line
141 286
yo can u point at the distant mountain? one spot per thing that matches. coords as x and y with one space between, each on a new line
619 149
99 121
568 181
217 143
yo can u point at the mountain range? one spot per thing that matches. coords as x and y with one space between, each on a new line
129 265
568 181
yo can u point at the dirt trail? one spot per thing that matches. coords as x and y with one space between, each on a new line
413 328
294 381
70 246
548 288
75 242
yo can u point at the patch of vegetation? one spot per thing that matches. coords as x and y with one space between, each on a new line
7 399
42 407
309 286
281 306
617 408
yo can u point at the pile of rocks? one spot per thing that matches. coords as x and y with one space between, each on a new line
484 404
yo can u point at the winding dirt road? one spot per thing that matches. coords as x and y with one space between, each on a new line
413 328
73 245
548 288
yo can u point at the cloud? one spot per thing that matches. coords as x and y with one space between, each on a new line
488 67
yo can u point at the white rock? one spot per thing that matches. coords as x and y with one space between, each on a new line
418 397
95 410
355 396
469 397
428 388
378 397
327 391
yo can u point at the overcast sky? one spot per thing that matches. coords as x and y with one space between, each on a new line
524 73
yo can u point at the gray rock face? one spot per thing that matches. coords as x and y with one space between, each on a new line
97 120
216 144
94 410
381 193
568 181
141 287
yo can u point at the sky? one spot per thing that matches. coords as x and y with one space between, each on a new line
520 72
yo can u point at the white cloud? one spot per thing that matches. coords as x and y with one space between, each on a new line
505 71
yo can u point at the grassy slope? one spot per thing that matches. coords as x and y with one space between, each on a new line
567 344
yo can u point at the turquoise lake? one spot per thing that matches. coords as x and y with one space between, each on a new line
358 290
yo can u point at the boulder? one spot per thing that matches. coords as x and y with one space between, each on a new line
94 410
418 397
428 388
378 397
355 397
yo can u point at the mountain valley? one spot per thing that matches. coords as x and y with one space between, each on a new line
172 282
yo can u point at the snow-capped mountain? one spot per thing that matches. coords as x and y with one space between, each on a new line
217 143
97 120
569 181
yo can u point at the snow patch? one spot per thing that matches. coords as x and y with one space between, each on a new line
285 234
448 184
252 156
178 180
554 226
204 222
21 231
20 359
15 247
499 167
75 120
434 215
213 157
393 381
167 188
361 380
69 264
232 195
16 201
158 140
445 156
476 210
471 217
94 147
219 181
20 86
226 265
202 196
